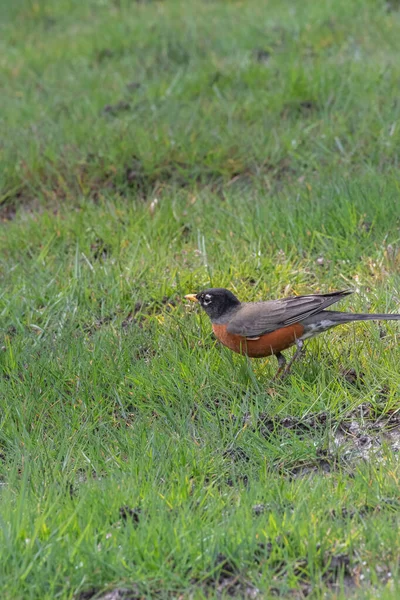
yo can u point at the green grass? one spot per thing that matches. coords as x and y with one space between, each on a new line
137 454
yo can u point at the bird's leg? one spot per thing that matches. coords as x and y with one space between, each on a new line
281 365
296 355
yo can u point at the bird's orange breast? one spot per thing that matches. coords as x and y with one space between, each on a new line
265 345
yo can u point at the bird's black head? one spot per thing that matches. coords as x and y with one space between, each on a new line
215 301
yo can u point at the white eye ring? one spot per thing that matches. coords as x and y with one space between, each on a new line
207 300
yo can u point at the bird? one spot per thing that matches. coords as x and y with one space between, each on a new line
260 329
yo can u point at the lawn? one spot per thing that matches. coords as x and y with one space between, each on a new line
153 149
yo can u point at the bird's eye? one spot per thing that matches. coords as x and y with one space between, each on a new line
207 299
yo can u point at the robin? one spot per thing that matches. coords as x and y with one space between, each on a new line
259 329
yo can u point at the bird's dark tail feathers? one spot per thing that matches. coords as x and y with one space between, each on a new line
342 317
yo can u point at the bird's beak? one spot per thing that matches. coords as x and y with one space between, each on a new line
191 297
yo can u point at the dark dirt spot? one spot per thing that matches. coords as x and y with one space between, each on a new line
186 231
318 464
103 54
259 509
302 108
14 200
384 504
250 281
114 109
271 425
132 86
279 171
135 176
237 480
337 564
139 306
345 513
307 105
72 490
106 320
100 250
8 211
236 454
135 315
263 552
262 55
11 330
352 376
393 503
383 393
227 566
366 226
133 514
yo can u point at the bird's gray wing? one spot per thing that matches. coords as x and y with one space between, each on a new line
256 318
